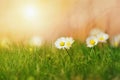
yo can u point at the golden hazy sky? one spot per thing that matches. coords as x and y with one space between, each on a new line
19 17
24 18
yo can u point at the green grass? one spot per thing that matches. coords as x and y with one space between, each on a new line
20 62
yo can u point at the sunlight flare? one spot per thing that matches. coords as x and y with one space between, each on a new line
30 12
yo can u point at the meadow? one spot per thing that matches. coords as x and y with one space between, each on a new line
24 62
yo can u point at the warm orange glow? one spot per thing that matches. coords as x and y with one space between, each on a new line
26 18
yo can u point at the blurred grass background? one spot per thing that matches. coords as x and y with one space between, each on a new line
20 62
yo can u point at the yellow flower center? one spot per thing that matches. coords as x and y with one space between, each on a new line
92 42
62 43
116 44
68 44
101 38
30 49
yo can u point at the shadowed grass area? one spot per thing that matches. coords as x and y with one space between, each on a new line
21 62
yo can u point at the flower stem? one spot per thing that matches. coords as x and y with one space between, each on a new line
93 54
68 54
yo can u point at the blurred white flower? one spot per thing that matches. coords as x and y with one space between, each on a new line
115 41
95 32
36 41
60 43
5 43
64 42
91 41
69 42
102 37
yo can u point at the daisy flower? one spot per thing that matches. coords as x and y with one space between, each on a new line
68 43
115 41
64 43
91 41
102 37
60 43
95 31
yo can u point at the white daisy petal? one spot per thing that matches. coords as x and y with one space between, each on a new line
64 43
102 37
69 42
91 41
60 43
